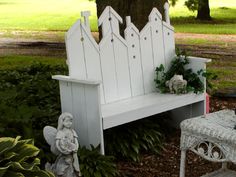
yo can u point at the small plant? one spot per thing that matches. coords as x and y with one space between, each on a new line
210 76
177 67
128 140
93 164
18 158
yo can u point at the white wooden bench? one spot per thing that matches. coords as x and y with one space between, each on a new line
112 83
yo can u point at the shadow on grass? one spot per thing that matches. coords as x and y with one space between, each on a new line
221 15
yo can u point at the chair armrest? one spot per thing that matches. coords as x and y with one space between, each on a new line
69 79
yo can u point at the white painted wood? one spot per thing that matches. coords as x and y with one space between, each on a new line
86 15
155 20
75 55
66 97
128 21
224 165
112 83
169 44
79 112
83 102
166 11
108 69
92 59
182 163
125 111
199 59
122 67
75 106
114 21
69 79
109 20
147 59
104 22
134 58
197 64
95 133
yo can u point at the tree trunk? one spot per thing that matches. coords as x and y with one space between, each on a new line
203 12
137 9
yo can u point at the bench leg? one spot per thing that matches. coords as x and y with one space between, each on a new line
182 163
224 165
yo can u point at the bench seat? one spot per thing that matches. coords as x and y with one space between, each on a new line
135 108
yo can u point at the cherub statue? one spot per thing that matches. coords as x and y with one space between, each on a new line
63 142
177 84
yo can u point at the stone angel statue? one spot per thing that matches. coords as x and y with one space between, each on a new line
63 143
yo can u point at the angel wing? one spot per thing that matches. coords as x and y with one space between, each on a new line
49 134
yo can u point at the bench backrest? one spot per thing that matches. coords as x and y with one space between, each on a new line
126 66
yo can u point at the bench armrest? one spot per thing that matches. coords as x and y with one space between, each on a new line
199 59
197 64
81 98
69 79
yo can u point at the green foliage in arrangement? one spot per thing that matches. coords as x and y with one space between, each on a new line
210 76
29 100
128 140
178 66
93 164
18 158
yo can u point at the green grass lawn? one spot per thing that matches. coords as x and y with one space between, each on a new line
13 61
43 15
54 15
223 18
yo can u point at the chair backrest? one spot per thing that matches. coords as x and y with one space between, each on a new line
126 66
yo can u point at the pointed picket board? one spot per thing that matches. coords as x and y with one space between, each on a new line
135 64
109 20
108 69
155 20
169 44
92 58
75 52
147 59
122 67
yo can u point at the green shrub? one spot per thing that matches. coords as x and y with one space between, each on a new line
93 164
178 67
128 140
29 97
18 158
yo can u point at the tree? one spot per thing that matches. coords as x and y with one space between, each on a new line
137 9
202 7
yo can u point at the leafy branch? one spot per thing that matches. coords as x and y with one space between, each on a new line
178 66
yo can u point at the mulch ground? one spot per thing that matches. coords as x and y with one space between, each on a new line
167 164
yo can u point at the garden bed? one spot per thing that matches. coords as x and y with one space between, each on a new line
167 163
